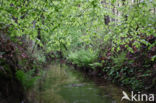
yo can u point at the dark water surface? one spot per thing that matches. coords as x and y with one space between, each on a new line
63 84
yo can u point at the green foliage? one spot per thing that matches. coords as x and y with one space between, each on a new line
153 58
39 55
82 57
95 65
133 82
119 59
65 24
27 79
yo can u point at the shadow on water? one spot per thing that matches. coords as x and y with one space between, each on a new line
63 84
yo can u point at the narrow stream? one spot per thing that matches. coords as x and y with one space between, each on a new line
63 84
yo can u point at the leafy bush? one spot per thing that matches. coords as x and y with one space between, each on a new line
120 59
83 57
133 82
27 79
95 65
39 55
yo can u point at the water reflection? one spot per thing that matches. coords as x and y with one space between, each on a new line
62 84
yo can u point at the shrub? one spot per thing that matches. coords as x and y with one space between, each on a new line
120 59
82 57
39 55
26 78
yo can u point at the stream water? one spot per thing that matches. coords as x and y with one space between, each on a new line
63 84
